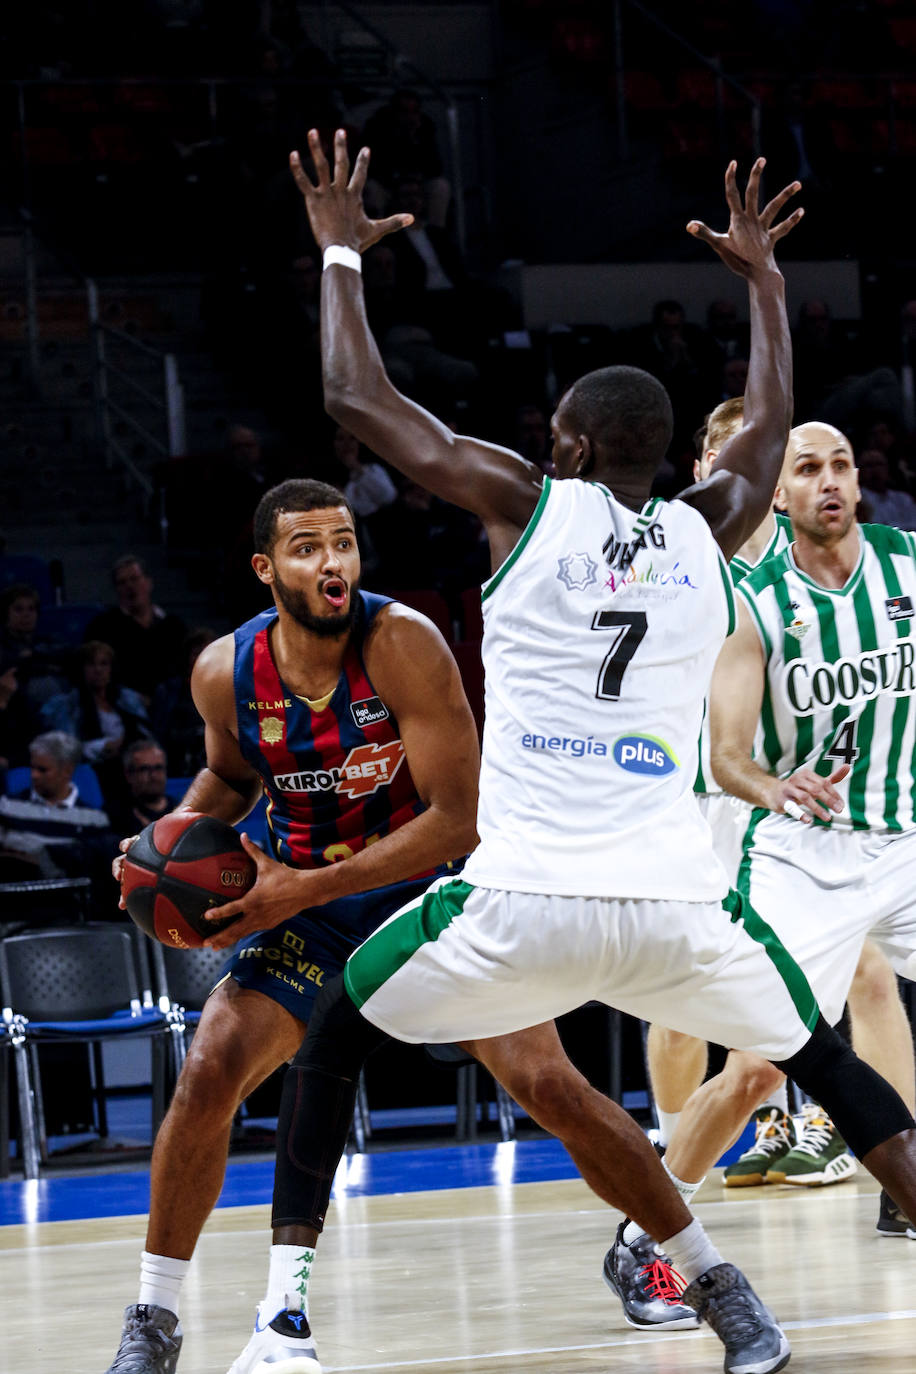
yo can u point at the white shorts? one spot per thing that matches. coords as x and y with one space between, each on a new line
823 890
462 963
727 818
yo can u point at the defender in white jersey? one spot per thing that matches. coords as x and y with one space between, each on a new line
586 581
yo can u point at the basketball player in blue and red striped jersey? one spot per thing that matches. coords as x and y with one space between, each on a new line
347 710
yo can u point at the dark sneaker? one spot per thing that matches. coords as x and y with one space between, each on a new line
283 1345
891 1221
819 1158
647 1286
150 1342
774 1138
754 1342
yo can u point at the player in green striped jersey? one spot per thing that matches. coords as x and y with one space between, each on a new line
824 654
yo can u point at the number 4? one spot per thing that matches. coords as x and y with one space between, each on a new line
843 744
631 628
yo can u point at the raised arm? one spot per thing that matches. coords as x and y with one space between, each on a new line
735 699
498 485
737 495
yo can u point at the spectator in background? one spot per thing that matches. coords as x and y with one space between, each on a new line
104 716
174 719
403 142
47 831
368 486
16 723
370 491
532 437
884 505
734 378
146 639
823 358
675 351
41 671
428 543
725 337
148 796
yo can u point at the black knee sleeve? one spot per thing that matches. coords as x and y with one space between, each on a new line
316 1108
864 1107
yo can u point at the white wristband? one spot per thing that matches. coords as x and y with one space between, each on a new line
345 257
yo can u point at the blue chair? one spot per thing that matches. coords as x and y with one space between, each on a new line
186 977
28 567
78 985
87 784
66 624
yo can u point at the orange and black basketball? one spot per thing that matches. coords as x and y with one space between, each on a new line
177 869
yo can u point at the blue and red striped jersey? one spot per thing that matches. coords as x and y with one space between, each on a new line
336 779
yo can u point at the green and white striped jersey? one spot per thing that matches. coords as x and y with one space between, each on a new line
739 569
840 681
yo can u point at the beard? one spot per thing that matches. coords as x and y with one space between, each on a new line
325 626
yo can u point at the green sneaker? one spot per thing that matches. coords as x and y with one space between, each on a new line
774 1139
819 1158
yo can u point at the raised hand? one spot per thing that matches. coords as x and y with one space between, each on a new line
747 246
335 205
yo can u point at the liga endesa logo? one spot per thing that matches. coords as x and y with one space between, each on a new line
366 768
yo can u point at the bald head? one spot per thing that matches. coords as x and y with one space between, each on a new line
818 485
815 433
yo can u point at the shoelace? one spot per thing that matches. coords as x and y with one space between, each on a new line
734 1318
146 1342
771 1136
815 1137
663 1281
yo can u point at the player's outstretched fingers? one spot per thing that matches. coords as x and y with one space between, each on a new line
304 183
780 230
752 190
732 194
773 207
360 171
341 158
319 159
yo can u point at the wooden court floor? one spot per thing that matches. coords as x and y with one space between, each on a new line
499 1280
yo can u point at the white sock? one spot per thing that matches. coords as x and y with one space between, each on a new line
666 1124
691 1252
288 1279
779 1098
686 1190
633 1230
160 1280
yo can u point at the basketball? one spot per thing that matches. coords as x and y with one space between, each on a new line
177 869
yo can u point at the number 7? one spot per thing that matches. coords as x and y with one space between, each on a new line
631 629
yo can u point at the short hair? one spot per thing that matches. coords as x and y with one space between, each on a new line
127 560
626 411
16 591
138 747
296 494
720 425
66 750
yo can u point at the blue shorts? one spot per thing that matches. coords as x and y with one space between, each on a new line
291 962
